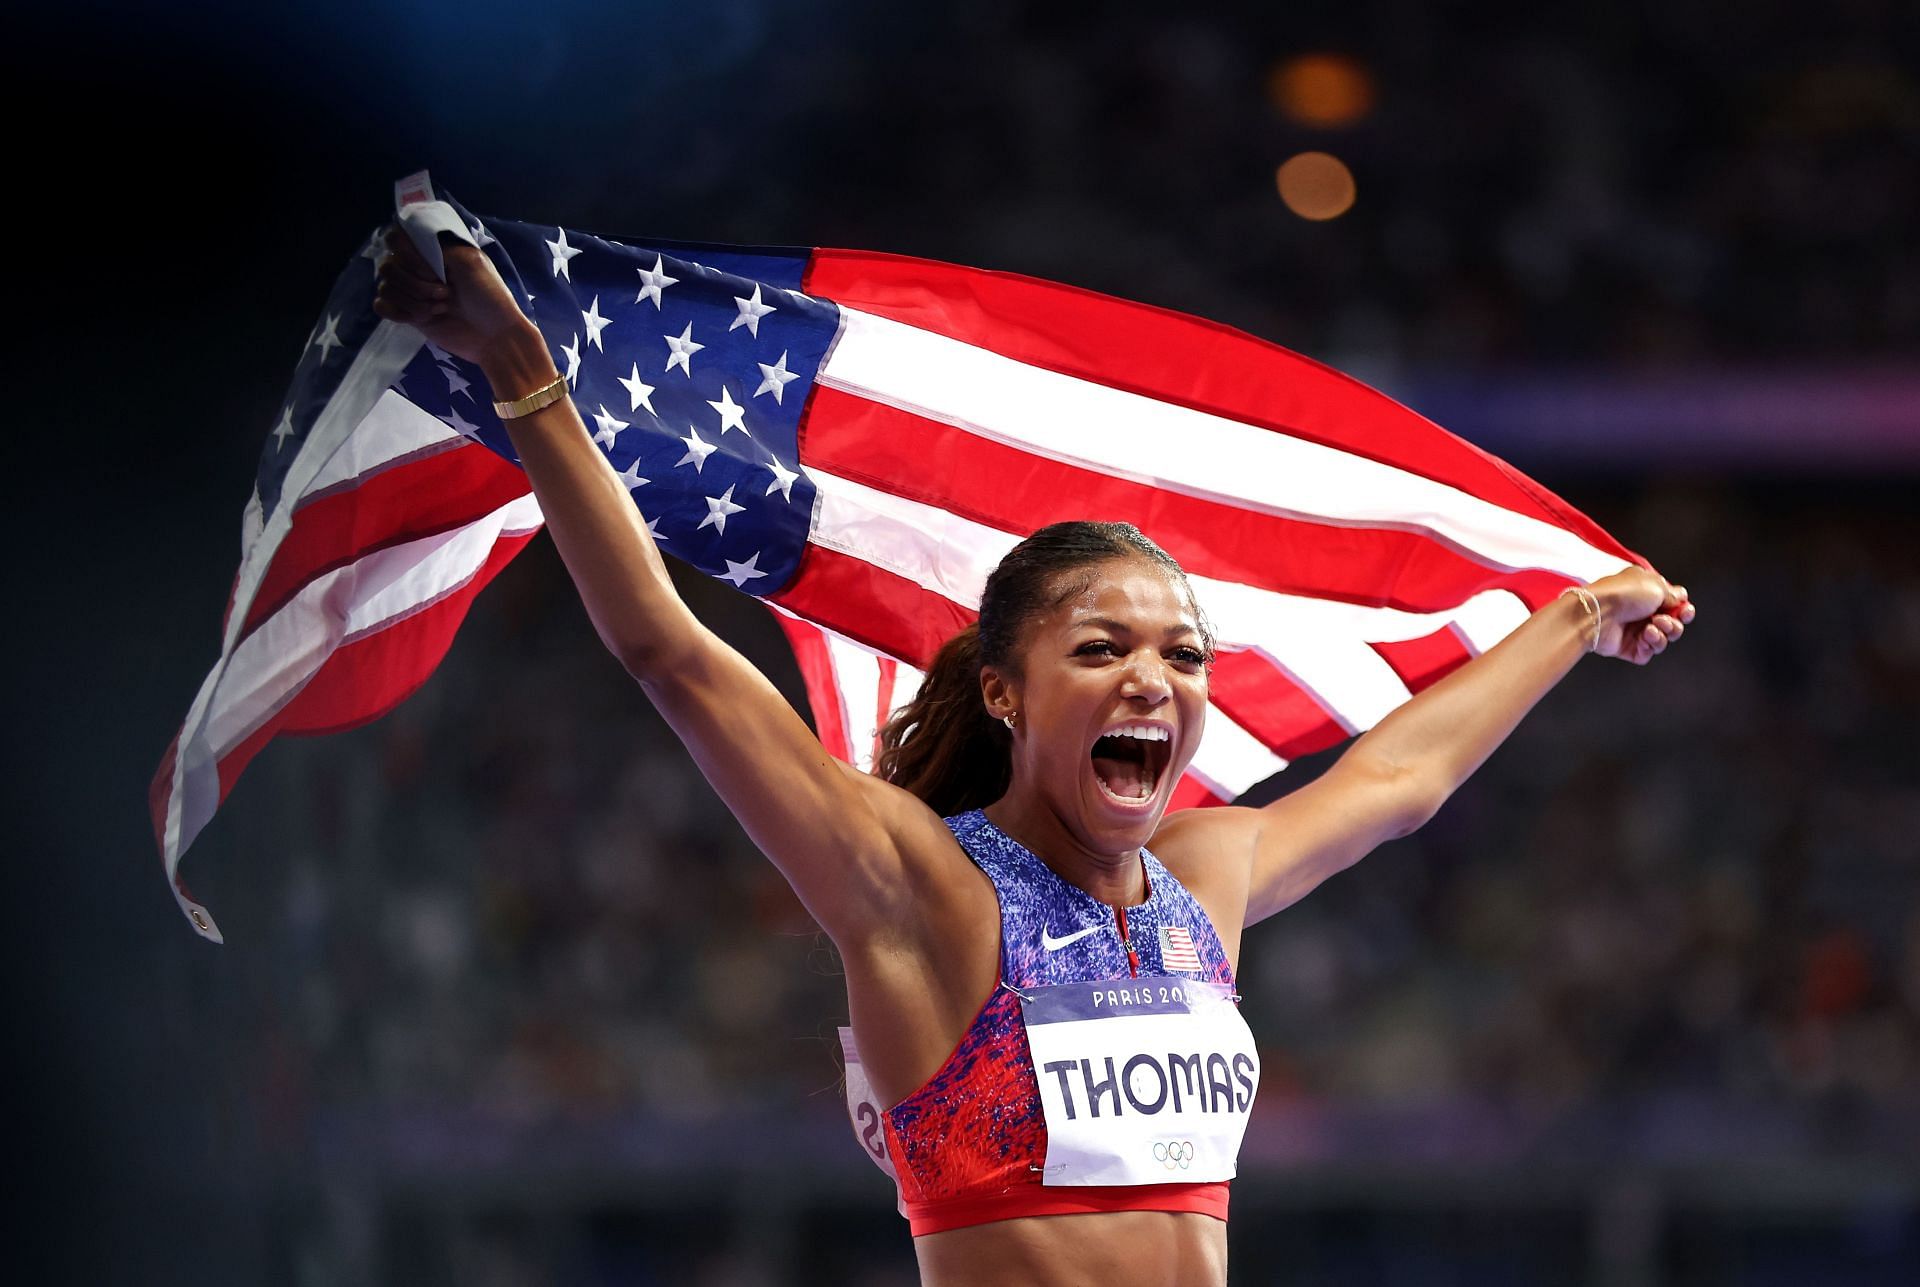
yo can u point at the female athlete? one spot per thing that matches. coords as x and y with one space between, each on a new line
1040 986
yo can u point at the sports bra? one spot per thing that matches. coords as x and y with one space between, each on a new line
971 1145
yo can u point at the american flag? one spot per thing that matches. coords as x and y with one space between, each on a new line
1176 949
858 438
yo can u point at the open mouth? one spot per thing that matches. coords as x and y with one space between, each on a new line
1129 762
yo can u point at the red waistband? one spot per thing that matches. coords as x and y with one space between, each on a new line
941 1214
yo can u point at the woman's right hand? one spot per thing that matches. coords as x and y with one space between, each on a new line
471 314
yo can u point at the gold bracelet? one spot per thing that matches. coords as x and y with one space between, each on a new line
1591 602
545 396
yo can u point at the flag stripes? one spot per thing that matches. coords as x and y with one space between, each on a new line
1347 551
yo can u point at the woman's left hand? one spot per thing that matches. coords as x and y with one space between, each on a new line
1640 614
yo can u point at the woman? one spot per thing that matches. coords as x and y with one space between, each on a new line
1057 905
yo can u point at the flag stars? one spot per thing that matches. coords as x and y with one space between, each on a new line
283 430
630 476
681 349
456 383
482 238
731 413
653 281
719 508
741 573
698 449
327 337
562 255
595 323
573 361
638 390
609 427
458 423
751 311
775 378
783 478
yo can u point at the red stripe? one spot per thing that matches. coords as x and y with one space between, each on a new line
364 679
883 699
419 498
1420 662
823 689
1178 359
1254 694
872 606
1009 489
1191 793
160 792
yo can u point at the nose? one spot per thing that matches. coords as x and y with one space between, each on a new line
1146 679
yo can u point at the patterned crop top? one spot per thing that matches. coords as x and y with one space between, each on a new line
968 1147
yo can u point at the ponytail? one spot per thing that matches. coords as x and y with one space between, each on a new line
943 746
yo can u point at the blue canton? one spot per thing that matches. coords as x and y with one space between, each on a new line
690 365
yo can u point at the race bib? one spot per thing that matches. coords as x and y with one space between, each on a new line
1143 1081
864 1108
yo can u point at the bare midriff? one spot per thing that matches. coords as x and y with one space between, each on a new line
1107 1249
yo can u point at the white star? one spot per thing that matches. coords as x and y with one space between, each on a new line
698 449
731 413
741 573
683 348
562 254
456 383
653 529
440 355
783 478
652 281
630 476
718 508
455 421
639 390
609 427
595 323
283 430
329 337
573 362
751 311
777 377
376 245
483 238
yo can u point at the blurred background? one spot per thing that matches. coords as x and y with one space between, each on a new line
507 998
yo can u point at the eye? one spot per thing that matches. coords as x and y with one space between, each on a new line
1095 648
1188 656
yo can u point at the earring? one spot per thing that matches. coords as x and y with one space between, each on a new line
1008 721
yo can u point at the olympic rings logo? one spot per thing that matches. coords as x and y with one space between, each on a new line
1177 1154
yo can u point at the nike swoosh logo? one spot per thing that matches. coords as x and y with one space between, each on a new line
1053 944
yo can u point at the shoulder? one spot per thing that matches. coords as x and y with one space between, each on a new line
1211 852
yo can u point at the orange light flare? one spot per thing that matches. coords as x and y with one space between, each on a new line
1326 91
1316 186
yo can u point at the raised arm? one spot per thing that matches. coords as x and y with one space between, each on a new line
855 849
1396 776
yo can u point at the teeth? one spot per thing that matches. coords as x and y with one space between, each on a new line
1145 732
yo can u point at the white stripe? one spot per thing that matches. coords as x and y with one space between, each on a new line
1128 435
394 431
856 673
195 791
1231 760
271 665
1319 643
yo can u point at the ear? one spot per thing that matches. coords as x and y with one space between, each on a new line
999 692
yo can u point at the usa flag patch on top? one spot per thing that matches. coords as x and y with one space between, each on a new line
1176 949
